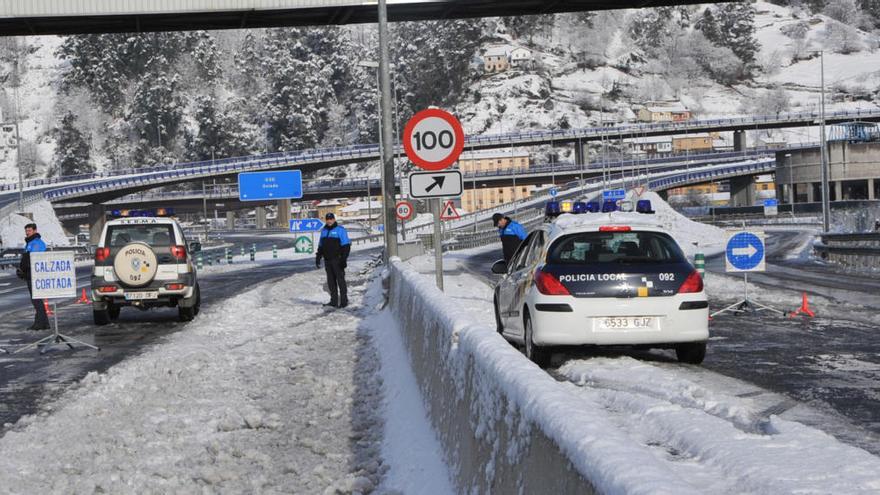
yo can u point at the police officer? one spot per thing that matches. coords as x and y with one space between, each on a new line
512 234
33 244
334 246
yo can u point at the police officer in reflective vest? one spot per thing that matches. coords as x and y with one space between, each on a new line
334 246
33 244
512 234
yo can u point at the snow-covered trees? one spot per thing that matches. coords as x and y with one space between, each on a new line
732 25
72 150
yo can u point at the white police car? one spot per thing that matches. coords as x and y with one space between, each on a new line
144 262
602 279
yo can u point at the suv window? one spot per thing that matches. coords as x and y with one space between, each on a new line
152 235
615 247
519 258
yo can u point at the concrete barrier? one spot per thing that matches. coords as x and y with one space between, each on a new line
506 426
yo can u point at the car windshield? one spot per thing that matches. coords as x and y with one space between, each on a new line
615 247
153 235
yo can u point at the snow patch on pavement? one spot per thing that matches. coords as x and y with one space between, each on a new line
262 394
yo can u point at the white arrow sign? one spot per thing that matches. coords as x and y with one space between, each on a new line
445 184
745 251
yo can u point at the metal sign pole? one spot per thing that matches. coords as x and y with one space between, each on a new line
438 243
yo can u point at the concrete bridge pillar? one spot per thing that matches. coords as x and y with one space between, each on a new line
871 194
838 191
739 140
261 217
97 220
283 218
581 153
230 220
742 191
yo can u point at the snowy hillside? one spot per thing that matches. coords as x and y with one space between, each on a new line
118 101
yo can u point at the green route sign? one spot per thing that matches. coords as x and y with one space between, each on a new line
303 244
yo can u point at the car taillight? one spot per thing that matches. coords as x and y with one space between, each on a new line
615 228
178 252
549 285
108 288
693 283
174 286
101 254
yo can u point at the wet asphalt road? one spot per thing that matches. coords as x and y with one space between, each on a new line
30 379
828 363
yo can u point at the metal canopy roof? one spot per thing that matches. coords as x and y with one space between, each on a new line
301 13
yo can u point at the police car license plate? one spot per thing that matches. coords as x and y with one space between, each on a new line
132 296
610 323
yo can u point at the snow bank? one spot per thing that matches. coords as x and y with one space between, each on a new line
507 426
12 227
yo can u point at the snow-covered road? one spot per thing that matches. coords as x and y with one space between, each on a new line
268 392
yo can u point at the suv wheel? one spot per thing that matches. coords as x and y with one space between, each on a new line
691 353
102 317
113 311
188 314
536 354
499 326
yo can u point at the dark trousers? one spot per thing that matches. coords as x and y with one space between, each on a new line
336 281
41 319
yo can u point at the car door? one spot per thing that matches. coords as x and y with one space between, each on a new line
507 286
520 278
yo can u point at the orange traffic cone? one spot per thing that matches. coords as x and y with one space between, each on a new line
804 309
83 299
48 309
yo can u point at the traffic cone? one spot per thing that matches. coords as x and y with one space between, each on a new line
83 299
804 309
48 309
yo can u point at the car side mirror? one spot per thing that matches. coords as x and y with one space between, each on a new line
499 267
195 246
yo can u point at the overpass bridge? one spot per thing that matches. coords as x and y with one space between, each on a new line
41 17
99 188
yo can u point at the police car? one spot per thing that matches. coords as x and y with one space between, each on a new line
144 262
613 278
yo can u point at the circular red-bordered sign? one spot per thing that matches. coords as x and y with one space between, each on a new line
433 139
404 210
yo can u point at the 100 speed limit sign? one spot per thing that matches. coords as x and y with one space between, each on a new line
433 139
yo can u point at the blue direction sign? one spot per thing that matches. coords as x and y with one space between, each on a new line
306 225
553 192
614 194
260 186
745 252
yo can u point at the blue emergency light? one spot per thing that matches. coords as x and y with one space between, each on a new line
579 207
593 207
644 206
609 205
552 209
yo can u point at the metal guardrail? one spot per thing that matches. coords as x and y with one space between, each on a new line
855 250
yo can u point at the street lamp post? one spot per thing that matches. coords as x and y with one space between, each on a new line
387 156
826 198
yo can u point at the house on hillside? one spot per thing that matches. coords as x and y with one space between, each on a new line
502 57
699 142
664 112
495 59
328 206
362 211
651 146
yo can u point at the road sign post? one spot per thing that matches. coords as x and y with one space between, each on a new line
306 225
404 210
433 140
745 253
53 276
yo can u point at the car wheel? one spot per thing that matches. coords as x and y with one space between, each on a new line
113 311
102 317
536 354
691 353
499 326
198 306
188 314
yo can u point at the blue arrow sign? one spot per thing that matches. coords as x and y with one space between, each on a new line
614 194
771 202
553 192
745 252
260 186
306 225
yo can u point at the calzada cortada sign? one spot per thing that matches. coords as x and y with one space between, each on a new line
53 275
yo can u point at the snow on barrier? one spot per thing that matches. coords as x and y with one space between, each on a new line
506 426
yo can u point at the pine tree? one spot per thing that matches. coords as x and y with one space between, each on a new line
72 150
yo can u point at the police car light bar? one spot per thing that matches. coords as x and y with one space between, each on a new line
615 228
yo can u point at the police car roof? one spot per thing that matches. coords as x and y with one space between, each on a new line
141 220
568 223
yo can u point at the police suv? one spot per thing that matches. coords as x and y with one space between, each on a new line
614 278
144 262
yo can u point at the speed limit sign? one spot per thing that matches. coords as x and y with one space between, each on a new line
404 210
433 139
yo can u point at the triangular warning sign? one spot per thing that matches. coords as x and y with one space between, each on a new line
639 191
449 212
